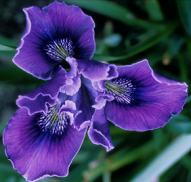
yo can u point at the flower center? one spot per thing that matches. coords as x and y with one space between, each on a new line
60 49
53 122
121 89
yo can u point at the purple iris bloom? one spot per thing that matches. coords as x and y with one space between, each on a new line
135 100
41 139
54 33
49 127
47 131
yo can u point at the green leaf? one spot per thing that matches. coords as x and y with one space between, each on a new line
186 161
112 10
107 177
7 42
184 7
118 160
180 125
174 152
188 100
153 9
12 74
140 47
5 48
6 51
175 43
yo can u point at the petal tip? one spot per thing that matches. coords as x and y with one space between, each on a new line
105 144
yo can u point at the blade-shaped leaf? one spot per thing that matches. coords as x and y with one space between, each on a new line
12 74
7 42
118 160
5 48
154 10
184 7
112 10
176 150
140 47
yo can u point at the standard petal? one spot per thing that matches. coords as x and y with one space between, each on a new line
99 130
153 103
70 20
35 154
29 56
53 23
36 100
96 71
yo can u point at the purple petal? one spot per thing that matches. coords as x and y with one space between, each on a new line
29 56
73 81
73 67
68 106
51 23
163 79
36 105
36 100
154 102
72 86
96 71
84 100
36 155
76 24
99 130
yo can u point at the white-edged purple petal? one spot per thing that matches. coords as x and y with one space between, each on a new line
36 154
36 100
99 130
84 99
141 100
72 86
96 71
53 33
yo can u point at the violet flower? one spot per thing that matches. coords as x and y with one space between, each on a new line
136 100
47 131
40 139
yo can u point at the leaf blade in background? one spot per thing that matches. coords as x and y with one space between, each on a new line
154 10
6 50
113 10
117 161
184 8
176 150
7 42
13 75
7 47
142 46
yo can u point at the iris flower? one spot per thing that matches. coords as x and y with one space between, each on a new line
41 139
135 100
79 94
47 131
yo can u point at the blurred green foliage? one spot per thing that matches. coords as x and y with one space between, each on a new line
126 31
